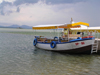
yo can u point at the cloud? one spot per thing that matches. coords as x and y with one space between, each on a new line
18 9
63 1
2 13
1 1
23 12
19 2
7 3
38 13
2 5
6 7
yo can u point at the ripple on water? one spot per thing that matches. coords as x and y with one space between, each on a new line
18 56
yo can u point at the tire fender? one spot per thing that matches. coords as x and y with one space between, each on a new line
53 44
35 42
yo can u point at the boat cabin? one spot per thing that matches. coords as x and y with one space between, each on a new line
60 33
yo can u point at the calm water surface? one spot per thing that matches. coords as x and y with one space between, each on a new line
18 56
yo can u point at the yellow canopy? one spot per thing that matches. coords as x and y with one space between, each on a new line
39 27
77 24
56 26
49 27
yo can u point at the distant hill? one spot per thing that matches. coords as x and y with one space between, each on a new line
26 27
1 26
17 26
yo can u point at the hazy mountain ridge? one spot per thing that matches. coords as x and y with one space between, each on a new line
17 26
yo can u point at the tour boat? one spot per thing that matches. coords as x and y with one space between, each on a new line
70 43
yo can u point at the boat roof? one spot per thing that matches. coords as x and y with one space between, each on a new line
56 26
90 29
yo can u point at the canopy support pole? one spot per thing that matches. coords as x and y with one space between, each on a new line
68 34
58 35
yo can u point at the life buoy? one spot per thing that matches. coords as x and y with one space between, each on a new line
79 38
55 37
35 42
53 44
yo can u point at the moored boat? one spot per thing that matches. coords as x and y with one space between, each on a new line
67 41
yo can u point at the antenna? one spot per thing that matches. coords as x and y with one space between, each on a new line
71 20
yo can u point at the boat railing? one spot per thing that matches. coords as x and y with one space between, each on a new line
62 39
74 36
49 40
45 40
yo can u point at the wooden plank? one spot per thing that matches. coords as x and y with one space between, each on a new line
74 35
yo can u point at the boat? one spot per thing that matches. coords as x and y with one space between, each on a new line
67 43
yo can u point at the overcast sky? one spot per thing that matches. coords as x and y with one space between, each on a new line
35 12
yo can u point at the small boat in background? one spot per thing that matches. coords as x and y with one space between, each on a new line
68 41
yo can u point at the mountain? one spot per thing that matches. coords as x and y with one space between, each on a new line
13 26
17 26
1 26
26 27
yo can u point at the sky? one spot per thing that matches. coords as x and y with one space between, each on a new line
40 12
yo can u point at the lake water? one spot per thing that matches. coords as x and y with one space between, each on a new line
18 56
